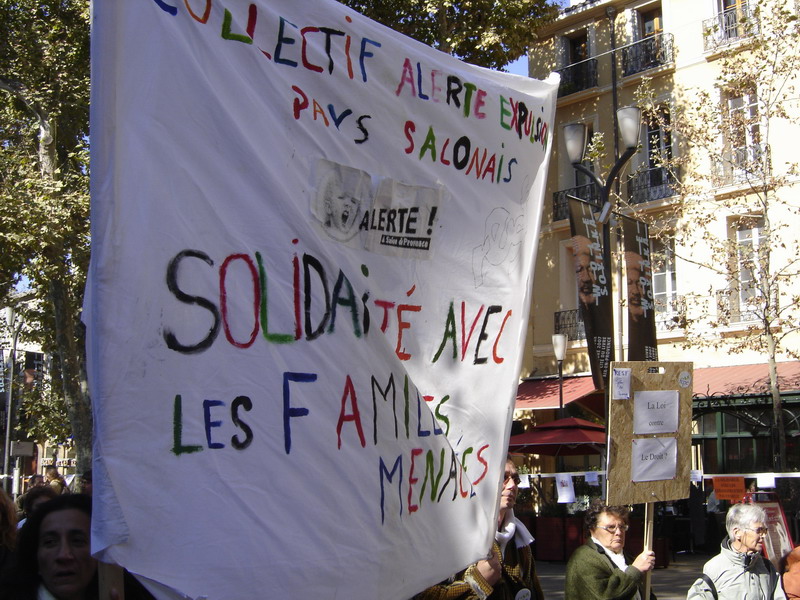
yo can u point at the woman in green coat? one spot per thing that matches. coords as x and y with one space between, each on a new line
599 570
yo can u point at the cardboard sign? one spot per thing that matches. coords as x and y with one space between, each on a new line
729 488
652 466
313 243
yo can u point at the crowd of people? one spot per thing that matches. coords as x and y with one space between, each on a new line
45 554
45 551
600 569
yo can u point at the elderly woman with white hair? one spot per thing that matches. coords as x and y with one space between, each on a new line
740 571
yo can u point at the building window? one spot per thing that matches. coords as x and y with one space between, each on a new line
659 138
651 48
579 71
750 246
651 22
734 21
665 282
744 129
732 14
742 157
654 180
578 47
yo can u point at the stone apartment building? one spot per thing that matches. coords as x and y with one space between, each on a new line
605 50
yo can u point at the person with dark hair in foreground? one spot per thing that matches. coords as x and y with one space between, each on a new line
53 557
599 569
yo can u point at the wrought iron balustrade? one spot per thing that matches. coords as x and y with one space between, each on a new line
578 77
570 323
729 26
670 312
649 53
739 165
586 192
651 184
732 309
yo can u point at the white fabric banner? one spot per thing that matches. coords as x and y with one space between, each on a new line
313 242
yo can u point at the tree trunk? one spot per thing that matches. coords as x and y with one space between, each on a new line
779 433
73 373
70 350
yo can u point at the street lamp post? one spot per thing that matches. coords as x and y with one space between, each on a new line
560 350
14 327
628 122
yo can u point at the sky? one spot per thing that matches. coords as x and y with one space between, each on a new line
519 66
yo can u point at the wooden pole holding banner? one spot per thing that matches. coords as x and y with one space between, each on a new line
110 577
648 544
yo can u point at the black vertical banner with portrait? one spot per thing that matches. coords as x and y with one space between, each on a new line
642 344
594 288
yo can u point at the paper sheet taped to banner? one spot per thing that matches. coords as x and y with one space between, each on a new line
313 243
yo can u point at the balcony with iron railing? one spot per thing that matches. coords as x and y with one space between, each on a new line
732 307
670 312
578 77
736 166
650 53
586 192
570 323
728 27
651 184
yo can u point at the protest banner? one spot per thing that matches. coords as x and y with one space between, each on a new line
642 339
594 288
313 246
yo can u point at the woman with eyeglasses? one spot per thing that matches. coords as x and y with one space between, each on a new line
740 571
600 569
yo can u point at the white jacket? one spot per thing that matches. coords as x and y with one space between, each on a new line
738 576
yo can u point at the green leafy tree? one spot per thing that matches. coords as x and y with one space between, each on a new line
42 414
488 33
44 199
727 164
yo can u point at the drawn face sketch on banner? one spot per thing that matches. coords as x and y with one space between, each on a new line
502 239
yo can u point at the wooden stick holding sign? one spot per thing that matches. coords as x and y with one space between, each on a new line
650 438
110 578
648 543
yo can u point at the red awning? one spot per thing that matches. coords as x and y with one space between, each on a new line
569 436
543 393
743 379
710 381
538 394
